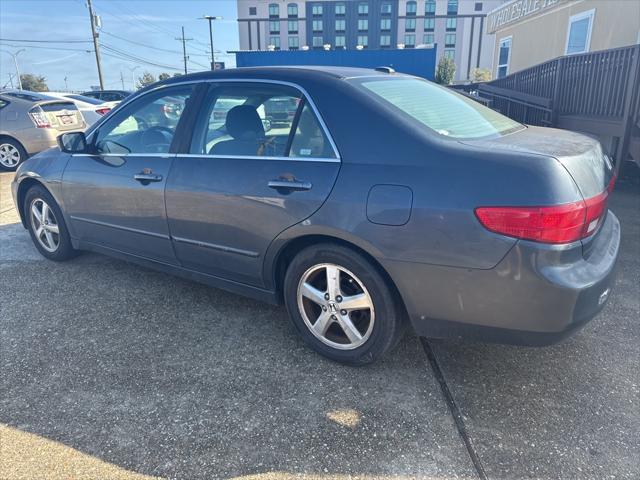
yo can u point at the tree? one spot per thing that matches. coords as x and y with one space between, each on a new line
145 79
445 71
35 83
163 76
480 75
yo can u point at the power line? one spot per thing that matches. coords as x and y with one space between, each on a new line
127 56
147 45
42 41
46 48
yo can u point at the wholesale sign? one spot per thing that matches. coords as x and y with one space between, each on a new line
516 10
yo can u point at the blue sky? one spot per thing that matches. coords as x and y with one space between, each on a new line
144 28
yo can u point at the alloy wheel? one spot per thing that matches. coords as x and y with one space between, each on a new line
45 225
9 155
335 306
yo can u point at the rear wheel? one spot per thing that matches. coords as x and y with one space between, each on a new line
46 225
12 154
341 305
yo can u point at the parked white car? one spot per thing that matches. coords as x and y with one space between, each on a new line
92 109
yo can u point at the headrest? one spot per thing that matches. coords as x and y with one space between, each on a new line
243 123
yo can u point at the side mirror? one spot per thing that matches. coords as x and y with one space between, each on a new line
73 142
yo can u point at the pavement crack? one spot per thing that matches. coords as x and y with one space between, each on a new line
453 408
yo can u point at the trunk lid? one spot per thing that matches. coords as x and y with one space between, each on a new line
62 115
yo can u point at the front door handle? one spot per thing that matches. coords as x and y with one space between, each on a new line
291 185
147 177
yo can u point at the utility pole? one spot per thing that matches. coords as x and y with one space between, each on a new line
211 19
96 43
184 49
15 61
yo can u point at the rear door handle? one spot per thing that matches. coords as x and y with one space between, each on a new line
147 177
292 185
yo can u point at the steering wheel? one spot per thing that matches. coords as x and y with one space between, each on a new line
157 139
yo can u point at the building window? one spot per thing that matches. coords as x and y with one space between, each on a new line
409 40
385 9
316 10
430 7
292 10
504 55
385 40
341 9
340 41
452 23
412 7
341 25
317 42
410 25
274 27
317 25
429 24
478 7
385 24
274 10
579 33
428 38
292 26
294 43
452 7
253 10
450 40
363 8
275 42
450 54
363 41
363 25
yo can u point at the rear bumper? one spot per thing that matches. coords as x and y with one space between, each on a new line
537 295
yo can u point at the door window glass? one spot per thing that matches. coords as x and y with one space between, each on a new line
310 139
147 125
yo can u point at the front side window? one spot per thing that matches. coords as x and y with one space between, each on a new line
452 24
385 24
145 126
410 25
363 8
504 55
438 108
363 25
292 10
259 120
430 7
429 24
579 34
412 7
274 10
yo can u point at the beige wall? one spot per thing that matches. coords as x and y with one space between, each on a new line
539 38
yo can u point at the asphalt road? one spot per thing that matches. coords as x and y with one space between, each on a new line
112 371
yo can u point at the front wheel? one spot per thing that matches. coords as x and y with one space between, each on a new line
46 225
341 305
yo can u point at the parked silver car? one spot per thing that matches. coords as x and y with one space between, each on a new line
30 122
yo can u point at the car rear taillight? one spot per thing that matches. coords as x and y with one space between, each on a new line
555 224
103 110
39 118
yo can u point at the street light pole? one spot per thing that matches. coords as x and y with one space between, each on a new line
211 19
15 61
133 78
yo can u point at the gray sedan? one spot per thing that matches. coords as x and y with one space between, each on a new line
383 201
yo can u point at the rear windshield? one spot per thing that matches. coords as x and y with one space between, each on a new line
84 99
55 106
439 108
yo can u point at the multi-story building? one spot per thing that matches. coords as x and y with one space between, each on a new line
456 27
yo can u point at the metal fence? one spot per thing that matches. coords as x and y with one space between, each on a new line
594 92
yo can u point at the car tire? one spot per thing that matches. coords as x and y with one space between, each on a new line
46 225
324 311
12 154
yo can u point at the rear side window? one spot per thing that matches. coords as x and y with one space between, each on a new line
111 96
440 109
259 120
